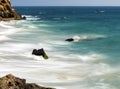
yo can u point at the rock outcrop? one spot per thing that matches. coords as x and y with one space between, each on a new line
40 52
11 82
7 12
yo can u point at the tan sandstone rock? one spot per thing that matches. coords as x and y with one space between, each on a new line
11 82
7 12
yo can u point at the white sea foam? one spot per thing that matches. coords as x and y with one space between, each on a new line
17 47
86 37
45 46
9 31
32 26
60 88
4 38
30 56
9 28
92 57
102 69
5 25
85 58
27 16
59 71
31 18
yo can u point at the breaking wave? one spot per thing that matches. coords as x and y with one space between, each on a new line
31 18
88 37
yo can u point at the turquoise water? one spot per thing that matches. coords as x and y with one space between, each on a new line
89 62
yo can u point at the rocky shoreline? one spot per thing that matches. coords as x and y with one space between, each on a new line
7 12
11 82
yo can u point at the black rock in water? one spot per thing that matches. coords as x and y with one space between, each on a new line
69 40
40 52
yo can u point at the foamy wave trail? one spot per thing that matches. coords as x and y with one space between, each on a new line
9 31
87 37
16 47
5 25
4 38
90 57
9 28
31 18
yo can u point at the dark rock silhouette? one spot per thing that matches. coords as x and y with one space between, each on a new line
24 18
69 39
40 52
11 82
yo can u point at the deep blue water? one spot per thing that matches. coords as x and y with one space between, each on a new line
73 21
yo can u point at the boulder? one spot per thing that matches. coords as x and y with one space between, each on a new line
11 82
40 52
69 39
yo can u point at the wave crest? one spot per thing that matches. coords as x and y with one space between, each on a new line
87 37
31 18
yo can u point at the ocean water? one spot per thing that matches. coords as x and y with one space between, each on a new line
91 61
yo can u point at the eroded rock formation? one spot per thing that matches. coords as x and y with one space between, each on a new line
7 12
11 82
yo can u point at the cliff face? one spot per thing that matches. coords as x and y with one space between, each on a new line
7 12
11 82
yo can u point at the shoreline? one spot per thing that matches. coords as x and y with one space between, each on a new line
6 19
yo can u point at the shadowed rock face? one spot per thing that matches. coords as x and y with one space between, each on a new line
11 82
7 12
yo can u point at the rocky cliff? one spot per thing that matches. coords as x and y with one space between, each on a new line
11 82
7 12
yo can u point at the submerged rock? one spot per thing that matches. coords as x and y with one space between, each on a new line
11 82
7 12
